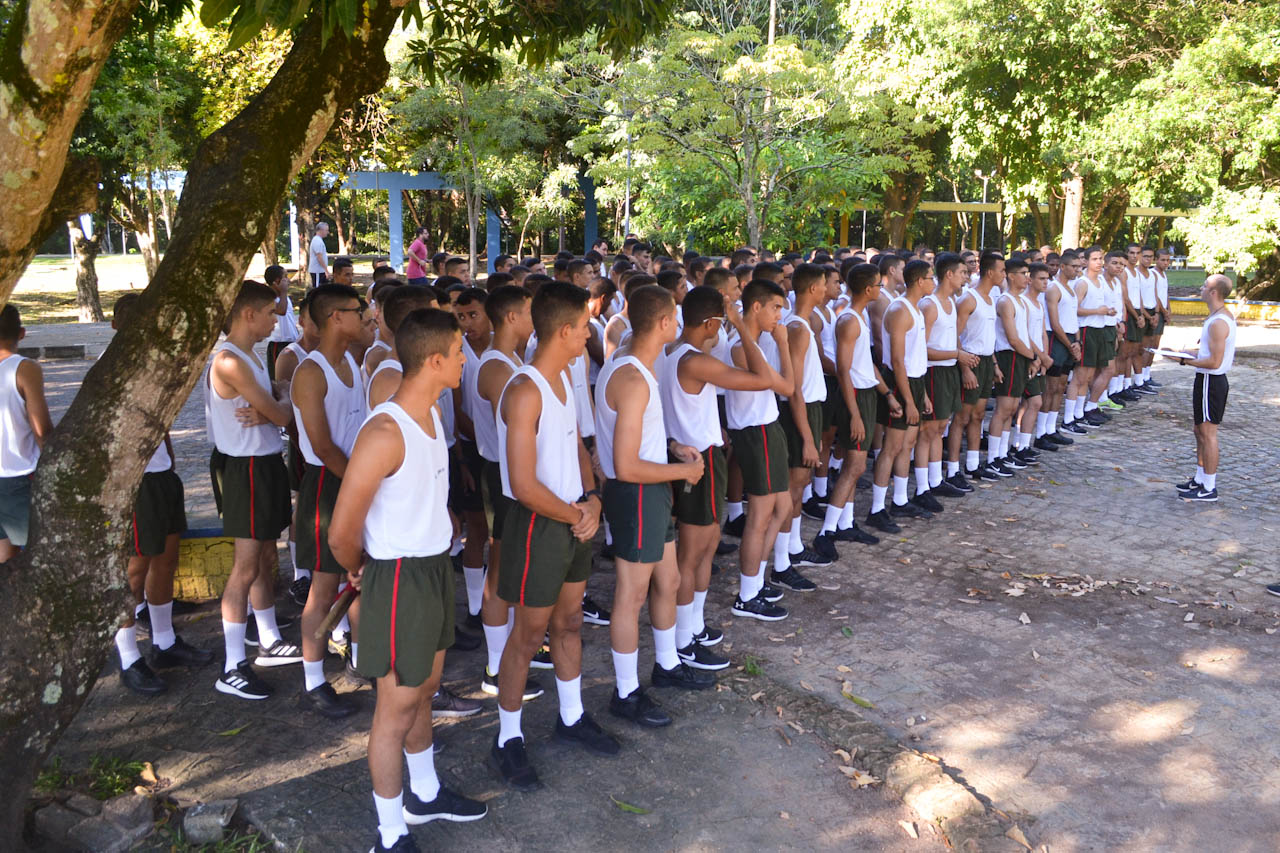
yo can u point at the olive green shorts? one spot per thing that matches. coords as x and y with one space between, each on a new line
539 556
985 372
406 616
253 494
795 444
703 503
868 402
942 382
761 453
916 384
639 518
316 497
1013 370
159 512
498 502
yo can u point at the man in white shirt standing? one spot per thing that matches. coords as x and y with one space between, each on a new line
318 256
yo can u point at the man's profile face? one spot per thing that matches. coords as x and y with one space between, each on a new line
343 275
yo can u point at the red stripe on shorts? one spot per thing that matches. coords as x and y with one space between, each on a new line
395 597
253 533
768 480
711 467
528 552
639 516
319 487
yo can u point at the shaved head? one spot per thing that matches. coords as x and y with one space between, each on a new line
1221 284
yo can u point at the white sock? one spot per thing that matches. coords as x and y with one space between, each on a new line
1091 406
846 516
781 553
830 517
794 545
127 645
474 579
268 631
570 695
1146 374
832 461
422 773
993 447
972 459
1051 425
664 647
1210 481
355 653
757 582
1004 444
1024 440
935 473
807 493
508 725
699 620
746 587
820 486
735 509
877 497
391 823
1080 406
624 672
684 625
899 490
162 636
922 480
495 640
233 642
313 673
953 468
1042 424
1199 478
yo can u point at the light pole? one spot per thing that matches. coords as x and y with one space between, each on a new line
984 178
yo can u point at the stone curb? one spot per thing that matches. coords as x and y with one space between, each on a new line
966 822
65 351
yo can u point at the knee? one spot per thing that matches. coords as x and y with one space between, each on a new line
567 623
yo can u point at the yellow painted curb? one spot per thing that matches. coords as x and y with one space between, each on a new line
204 564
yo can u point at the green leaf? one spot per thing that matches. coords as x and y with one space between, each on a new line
627 807
233 732
847 631
857 700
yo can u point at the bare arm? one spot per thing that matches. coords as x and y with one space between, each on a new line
595 346
378 453
816 320
231 377
847 332
308 390
381 387
1008 318
521 408
286 364
798 347
628 395
30 381
1217 349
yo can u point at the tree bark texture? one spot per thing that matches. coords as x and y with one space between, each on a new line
901 199
1072 211
270 248
88 304
61 599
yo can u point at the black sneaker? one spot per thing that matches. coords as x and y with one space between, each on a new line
807 557
140 678
474 623
961 482
447 805
793 580
907 510
770 593
699 656
1201 494
1273 589
735 526
1190 485
278 654
404 844
532 687
1046 444
593 613
758 608
1074 428
814 508
1154 384
993 471
946 489
1143 389
1096 418
251 631
181 653
683 676
1012 463
299 590
824 545
709 636
725 548
855 534
1026 458
542 659
242 682
639 709
1060 440
512 764
587 734
326 701
883 522
446 703
927 502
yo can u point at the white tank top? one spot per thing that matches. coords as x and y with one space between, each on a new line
862 370
482 411
979 335
1148 285
1035 320
1115 300
364 363
286 324
1162 288
387 363
594 369
1133 284
408 516
1066 310
827 335
653 430
723 349
582 395
1019 322
943 334
447 418
1228 349
556 442
228 435
19 451
297 350
1095 296
915 353
812 385
344 408
691 419
470 374
745 409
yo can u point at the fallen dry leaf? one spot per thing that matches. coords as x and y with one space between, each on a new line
849 772
843 668
1017 835
1190 617
858 779
148 773
806 686
1015 591
909 828
1270 630
755 697
784 815
1024 619
844 755
796 726
783 735
1035 655
968 601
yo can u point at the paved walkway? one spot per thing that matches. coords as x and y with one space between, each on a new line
1129 710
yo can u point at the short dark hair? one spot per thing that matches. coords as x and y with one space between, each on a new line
805 276
1069 255
473 294
564 255
324 299
561 264
1114 254
576 265
10 322
1016 264
646 305
945 262
530 260
557 304
445 282
454 263
744 272
716 276
422 334
759 291
741 256
438 258
382 271
669 280
501 259
502 301
379 290
764 269
915 270
887 261
698 264
602 287
701 304
635 282
342 264
403 300
860 277
1038 267
534 281
273 273
125 312
498 279
255 294
987 262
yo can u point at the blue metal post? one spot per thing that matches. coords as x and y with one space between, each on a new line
590 224
492 236
395 224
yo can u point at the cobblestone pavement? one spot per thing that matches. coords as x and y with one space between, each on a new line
1127 711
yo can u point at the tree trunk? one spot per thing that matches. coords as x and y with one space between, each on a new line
1072 211
62 597
747 192
270 244
1034 207
338 225
901 199
147 246
88 305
